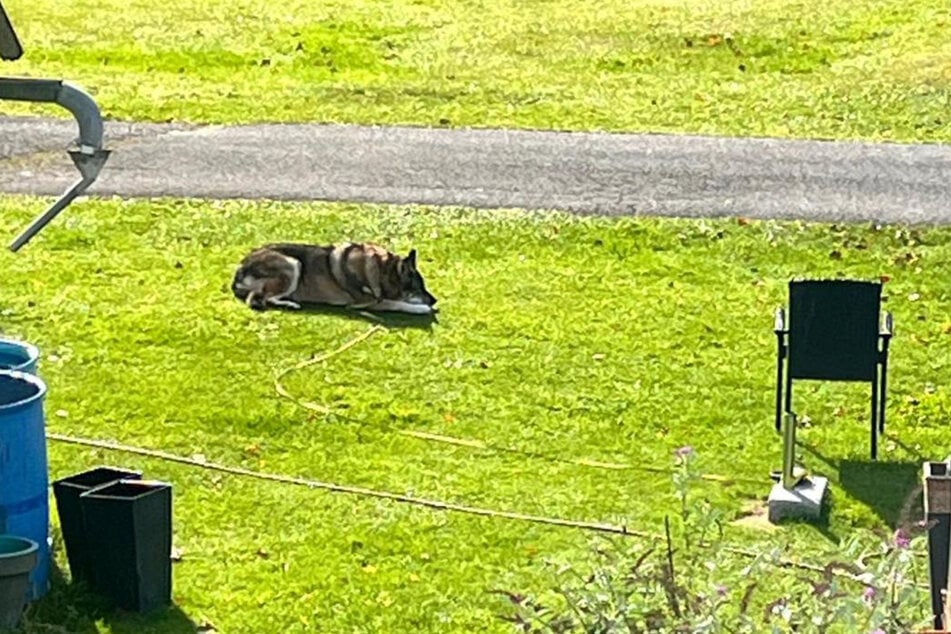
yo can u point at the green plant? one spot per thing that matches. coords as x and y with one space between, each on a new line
704 586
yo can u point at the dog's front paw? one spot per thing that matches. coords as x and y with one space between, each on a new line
418 309
283 303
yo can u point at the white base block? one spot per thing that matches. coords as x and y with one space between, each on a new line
803 502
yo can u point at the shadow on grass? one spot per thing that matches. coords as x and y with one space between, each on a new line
892 490
73 608
388 320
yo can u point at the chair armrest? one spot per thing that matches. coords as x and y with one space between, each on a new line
779 325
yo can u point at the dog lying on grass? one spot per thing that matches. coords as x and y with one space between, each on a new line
360 276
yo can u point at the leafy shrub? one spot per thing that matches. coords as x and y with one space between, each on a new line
698 584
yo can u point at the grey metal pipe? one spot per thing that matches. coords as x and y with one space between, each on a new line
89 158
73 98
89 166
75 190
87 114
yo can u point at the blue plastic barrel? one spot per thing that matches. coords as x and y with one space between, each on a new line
18 355
24 502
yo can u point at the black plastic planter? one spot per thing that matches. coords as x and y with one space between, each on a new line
129 529
67 492
18 556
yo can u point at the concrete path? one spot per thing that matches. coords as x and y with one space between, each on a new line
585 173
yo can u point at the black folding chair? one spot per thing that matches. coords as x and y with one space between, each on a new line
834 334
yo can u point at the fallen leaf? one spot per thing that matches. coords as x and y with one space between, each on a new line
176 554
914 297
62 413
263 554
884 278
598 356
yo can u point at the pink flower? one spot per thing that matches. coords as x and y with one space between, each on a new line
722 591
868 594
902 540
684 451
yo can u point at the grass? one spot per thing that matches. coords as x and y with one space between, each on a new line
874 69
560 338
578 338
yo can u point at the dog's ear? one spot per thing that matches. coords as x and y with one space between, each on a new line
411 259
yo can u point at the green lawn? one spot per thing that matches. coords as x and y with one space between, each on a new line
561 339
813 68
576 338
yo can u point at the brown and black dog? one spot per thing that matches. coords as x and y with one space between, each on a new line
357 275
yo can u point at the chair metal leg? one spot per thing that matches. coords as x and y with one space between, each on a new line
779 389
882 397
788 393
874 422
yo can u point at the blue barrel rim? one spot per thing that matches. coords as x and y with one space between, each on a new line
29 378
30 546
31 350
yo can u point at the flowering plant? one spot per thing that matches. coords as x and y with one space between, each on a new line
698 584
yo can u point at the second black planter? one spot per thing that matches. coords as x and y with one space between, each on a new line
129 535
67 492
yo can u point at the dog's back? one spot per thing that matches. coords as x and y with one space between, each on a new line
317 284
